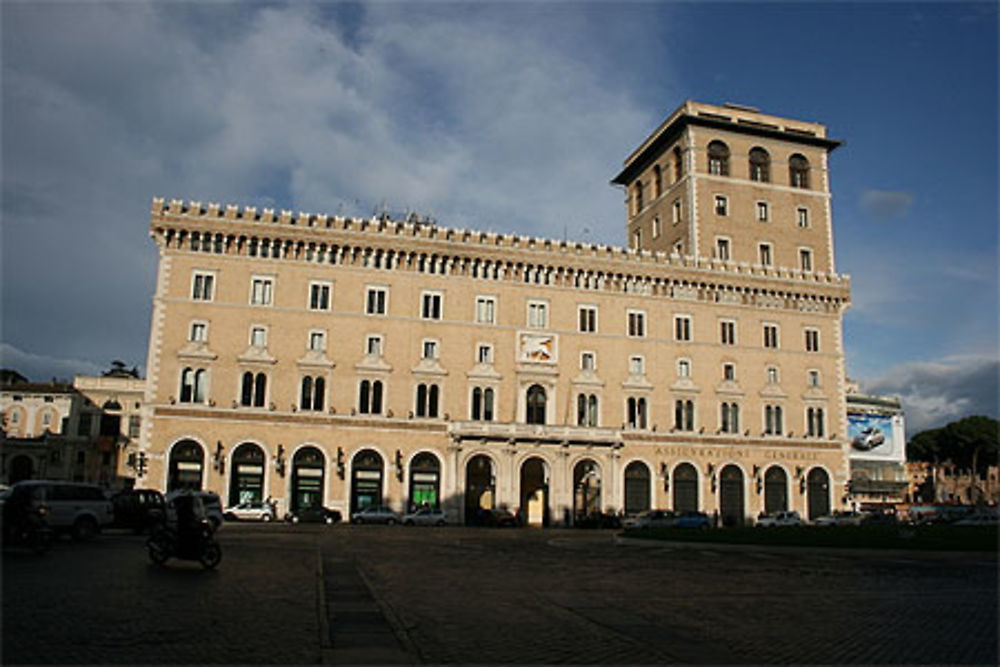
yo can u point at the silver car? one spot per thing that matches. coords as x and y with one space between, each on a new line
425 516
376 514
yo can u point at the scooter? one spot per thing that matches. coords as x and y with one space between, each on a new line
196 543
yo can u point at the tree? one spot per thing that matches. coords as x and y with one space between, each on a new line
971 443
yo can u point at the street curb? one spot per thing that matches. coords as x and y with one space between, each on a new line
916 554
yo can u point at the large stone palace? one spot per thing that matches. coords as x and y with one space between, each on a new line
344 361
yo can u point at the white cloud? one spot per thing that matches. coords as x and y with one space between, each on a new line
885 205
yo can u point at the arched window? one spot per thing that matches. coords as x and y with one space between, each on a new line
427 400
760 165
477 404
636 412
535 412
312 393
488 405
798 171
370 397
592 410
376 406
684 415
259 390
364 396
678 164
421 400
718 158
187 385
637 194
253 390
772 420
657 181
581 410
814 418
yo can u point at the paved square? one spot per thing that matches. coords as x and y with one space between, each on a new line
376 595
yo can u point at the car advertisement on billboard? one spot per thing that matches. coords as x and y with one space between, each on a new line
876 436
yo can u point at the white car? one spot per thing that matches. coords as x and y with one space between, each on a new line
649 519
210 500
780 519
869 438
425 516
839 519
249 511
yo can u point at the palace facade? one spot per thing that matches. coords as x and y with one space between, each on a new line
345 361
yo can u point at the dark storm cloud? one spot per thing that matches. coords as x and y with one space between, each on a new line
935 393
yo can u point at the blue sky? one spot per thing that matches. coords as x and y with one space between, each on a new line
508 117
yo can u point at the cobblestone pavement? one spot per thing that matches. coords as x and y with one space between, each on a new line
391 595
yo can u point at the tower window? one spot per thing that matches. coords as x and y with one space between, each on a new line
798 171
718 158
760 165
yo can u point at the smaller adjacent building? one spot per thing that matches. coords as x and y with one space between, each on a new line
84 432
945 483
876 430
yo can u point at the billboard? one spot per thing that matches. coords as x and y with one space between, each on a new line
877 437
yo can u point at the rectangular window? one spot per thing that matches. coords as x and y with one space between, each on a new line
430 349
656 227
134 426
764 250
772 375
588 361
683 368
636 366
261 291
484 354
727 330
373 346
682 327
676 212
317 341
637 239
203 286
813 378
803 217
587 319
375 301
722 249
636 323
812 340
319 296
538 314
486 310
763 212
258 337
729 372
721 205
771 336
430 308
199 332
805 259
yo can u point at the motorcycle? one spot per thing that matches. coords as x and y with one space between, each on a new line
195 543
26 525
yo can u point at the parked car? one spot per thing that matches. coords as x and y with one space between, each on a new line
213 506
139 509
376 514
75 508
425 516
498 518
649 519
314 514
879 519
980 519
249 511
839 518
691 520
790 518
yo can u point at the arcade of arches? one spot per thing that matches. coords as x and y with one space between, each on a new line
544 488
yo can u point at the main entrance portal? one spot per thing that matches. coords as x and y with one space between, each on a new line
535 492
480 487
246 474
586 489
366 480
187 459
307 478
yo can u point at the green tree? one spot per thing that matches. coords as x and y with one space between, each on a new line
972 442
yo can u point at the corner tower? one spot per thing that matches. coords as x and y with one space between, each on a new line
731 183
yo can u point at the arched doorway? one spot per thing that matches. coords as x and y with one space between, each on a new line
636 487
425 481
731 497
586 489
818 487
308 473
480 485
187 461
21 468
535 492
366 480
535 408
775 490
246 474
685 488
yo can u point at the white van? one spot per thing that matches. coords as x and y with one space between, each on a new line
75 508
